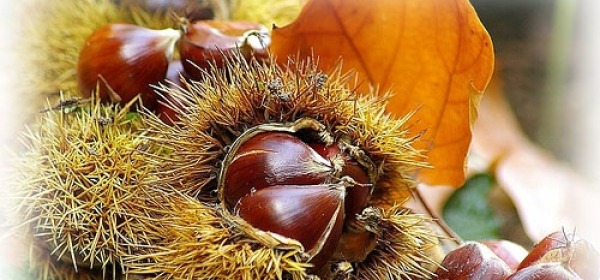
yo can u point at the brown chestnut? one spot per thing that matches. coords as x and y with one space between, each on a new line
544 271
511 253
360 193
472 261
359 237
311 214
205 42
123 60
283 190
168 106
575 253
273 158
176 76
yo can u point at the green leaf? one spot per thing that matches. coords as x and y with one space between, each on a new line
469 213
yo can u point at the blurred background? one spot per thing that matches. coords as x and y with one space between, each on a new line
548 69
10 124
547 56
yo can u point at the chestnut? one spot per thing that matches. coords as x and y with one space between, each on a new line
511 253
555 241
121 61
575 253
472 261
360 235
168 105
545 271
360 193
285 193
205 42
175 75
311 214
273 158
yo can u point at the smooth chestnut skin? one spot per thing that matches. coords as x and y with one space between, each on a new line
303 213
127 59
165 109
175 73
569 249
278 183
511 253
544 271
555 240
273 158
204 42
472 261
358 195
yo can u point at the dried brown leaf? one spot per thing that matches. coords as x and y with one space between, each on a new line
434 55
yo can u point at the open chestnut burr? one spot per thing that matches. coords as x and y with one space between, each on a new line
302 177
295 186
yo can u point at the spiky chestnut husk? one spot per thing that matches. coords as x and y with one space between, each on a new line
228 102
43 265
200 243
87 184
405 248
217 109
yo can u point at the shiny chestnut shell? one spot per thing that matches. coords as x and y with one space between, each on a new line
511 253
472 260
123 60
206 42
274 158
280 186
358 195
545 271
568 249
283 210
169 106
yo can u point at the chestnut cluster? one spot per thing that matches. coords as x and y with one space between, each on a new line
295 186
559 256
287 186
121 61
